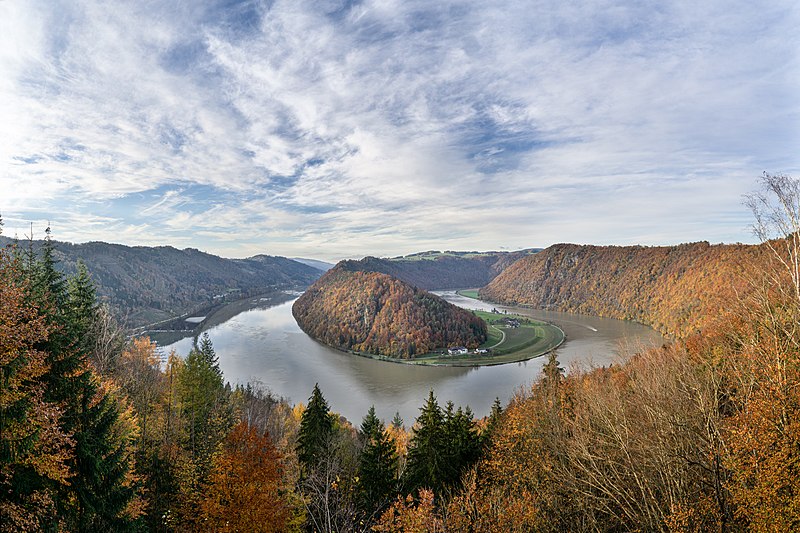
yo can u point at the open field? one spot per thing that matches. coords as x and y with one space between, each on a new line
469 293
508 344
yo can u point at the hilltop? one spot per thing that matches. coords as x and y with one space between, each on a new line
374 313
434 270
675 289
144 284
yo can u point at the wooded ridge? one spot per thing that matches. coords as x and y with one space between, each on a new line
375 313
677 290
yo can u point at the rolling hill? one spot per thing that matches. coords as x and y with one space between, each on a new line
677 290
376 313
143 284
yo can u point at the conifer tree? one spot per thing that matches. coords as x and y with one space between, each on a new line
463 446
34 451
316 430
492 423
426 467
398 421
205 404
377 469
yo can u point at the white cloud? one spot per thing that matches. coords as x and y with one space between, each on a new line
310 129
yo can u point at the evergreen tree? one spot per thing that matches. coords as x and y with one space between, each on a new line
82 308
368 425
33 450
205 405
316 429
377 468
427 457
398 421
492 423
463 446
209 354
97 493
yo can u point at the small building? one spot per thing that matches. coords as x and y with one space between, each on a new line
482 351
457 350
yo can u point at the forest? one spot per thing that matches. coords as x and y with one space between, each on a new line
702 434
378 314
141 285
677 290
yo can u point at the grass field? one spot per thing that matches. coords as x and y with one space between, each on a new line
508 344
471 293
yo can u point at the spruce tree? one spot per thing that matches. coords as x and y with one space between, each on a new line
427 456
97 492
377 467
206 406
463 446
316 430
492 423
398 421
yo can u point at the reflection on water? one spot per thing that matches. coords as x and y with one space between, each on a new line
268 346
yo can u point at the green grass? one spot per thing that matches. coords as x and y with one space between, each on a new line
471 293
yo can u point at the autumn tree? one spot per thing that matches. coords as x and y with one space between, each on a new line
34 450
244 489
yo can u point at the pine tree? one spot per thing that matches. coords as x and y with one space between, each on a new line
316 429
427 456
82 308
377 469
98 492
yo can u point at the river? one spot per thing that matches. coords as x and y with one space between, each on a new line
266 345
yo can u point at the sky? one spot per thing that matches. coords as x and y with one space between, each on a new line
338 129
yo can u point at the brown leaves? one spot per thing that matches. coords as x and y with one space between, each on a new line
244 491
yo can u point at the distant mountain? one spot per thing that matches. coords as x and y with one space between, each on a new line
143 285
319 265
375 313
675 289
434 270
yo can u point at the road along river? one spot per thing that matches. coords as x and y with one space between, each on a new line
266 345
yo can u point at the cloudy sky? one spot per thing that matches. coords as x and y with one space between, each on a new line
334 129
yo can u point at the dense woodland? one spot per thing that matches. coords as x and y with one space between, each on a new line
452 270
677 290
141 285
375 313
97 434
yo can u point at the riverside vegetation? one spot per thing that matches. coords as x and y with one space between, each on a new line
702 434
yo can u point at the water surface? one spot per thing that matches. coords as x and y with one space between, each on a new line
266 345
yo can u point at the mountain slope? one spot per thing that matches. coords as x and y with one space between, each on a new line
142 284
675 289
375 313
440 271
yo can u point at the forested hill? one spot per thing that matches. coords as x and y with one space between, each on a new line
144 284
440 270
375 313
675 289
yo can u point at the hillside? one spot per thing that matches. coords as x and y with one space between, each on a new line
675 289
144 284
441 270
375 313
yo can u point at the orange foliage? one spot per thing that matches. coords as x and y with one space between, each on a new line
30 435
244 488
375 313
678 290
408 516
